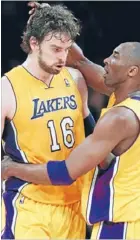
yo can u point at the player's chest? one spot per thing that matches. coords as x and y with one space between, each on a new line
50 103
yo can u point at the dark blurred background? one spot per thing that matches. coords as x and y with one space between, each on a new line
104 26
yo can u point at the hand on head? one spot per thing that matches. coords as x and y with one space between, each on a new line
34 6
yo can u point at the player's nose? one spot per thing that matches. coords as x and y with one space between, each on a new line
63 56
106 61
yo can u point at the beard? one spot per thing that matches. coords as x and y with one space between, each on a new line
48 68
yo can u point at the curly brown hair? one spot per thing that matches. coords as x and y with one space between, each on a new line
51 19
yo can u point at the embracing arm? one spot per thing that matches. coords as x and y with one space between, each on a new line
92 72
111 129
97 146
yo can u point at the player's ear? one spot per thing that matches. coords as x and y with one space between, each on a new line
133 71
33 43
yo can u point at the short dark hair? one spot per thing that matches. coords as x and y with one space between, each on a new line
135 52
55 18
132 52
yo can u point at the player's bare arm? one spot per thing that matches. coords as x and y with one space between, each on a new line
8 101
8 106
93 73
114 132
114 128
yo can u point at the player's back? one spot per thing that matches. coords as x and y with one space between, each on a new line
114 194
47 125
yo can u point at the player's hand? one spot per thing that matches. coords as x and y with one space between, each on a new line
6 166
75 55
34 6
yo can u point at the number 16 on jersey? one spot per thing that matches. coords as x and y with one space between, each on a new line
66 126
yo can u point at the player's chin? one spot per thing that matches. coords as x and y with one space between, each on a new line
107 81
57 70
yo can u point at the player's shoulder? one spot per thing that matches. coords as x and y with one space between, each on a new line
76 75
78 79
120 118
117 121
5 82
123 113
14 70
6 87
8 98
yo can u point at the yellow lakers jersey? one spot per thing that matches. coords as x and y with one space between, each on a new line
111 100
114 194
47 125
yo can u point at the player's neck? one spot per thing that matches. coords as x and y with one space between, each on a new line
124 91
31 65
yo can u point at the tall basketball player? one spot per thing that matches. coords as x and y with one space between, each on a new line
43 112
111 202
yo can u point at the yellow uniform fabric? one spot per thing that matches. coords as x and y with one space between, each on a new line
36 220
113 198
127 230
111 100
87 191
47 125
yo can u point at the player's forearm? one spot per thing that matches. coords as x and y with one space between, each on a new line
54 172
94 75
106 163
34 173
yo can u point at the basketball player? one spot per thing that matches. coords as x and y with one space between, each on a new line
43 107
112 203
93 73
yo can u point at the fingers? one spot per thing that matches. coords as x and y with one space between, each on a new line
6 164
34 4
30 18
4 167
31 11
6 157
38 5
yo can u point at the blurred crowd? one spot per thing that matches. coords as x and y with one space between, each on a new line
104 26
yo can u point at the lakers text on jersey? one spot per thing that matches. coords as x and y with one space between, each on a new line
47 125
